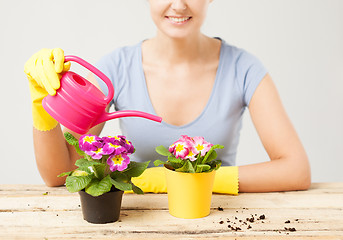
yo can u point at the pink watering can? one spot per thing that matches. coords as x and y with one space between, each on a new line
79 105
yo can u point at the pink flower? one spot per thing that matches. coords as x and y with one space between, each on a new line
191 155
189 147
113 148
121 141
182 147
126 144
118 162
96 154
89 142
171 148
200 146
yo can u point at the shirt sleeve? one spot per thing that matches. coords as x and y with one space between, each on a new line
250 71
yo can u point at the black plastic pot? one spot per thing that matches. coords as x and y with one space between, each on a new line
102 209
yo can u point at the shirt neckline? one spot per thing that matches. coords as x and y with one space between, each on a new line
148 100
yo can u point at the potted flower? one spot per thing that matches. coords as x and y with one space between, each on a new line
103 173
190 171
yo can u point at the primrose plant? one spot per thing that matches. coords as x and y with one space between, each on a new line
105 165
190 154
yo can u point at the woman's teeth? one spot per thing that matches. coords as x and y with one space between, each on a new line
179 19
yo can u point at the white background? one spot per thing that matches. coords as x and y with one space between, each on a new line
299 41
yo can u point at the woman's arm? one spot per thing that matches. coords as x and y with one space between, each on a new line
53 154
288 168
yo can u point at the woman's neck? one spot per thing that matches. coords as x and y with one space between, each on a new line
178 51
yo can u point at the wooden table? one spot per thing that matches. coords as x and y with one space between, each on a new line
40 212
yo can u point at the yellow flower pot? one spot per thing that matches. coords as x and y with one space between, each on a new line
189 194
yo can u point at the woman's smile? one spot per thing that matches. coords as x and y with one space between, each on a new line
178 20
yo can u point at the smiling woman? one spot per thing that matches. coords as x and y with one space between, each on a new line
178 19
200 86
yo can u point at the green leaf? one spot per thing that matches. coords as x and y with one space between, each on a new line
162 150
79 172
175 162
135 169
187 167
211 156
98 187
215 164
85 169
124 186
136 189
158 162
209 153
99 170
85 163
74 142
202 168
71 139
65 174
77 183
116 175
121 181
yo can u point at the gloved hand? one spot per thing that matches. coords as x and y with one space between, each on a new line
226 180
154 180
44 70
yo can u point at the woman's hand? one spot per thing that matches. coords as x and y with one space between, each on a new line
44 70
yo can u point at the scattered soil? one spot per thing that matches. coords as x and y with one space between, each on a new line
290 229
239 224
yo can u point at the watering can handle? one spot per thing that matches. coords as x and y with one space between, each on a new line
97 72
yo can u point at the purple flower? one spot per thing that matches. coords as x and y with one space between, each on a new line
116 147
96 154
113 148
121 141
112 139
118 162
89 142
128 146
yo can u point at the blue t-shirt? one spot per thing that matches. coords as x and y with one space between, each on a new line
220 122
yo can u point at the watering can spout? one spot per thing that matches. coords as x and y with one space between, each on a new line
126 113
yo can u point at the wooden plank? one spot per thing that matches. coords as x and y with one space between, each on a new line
32 202
160 201
27 189
162 237
155 223
38 212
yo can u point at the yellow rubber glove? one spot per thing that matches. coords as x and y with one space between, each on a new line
226 180
154 180
44 70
